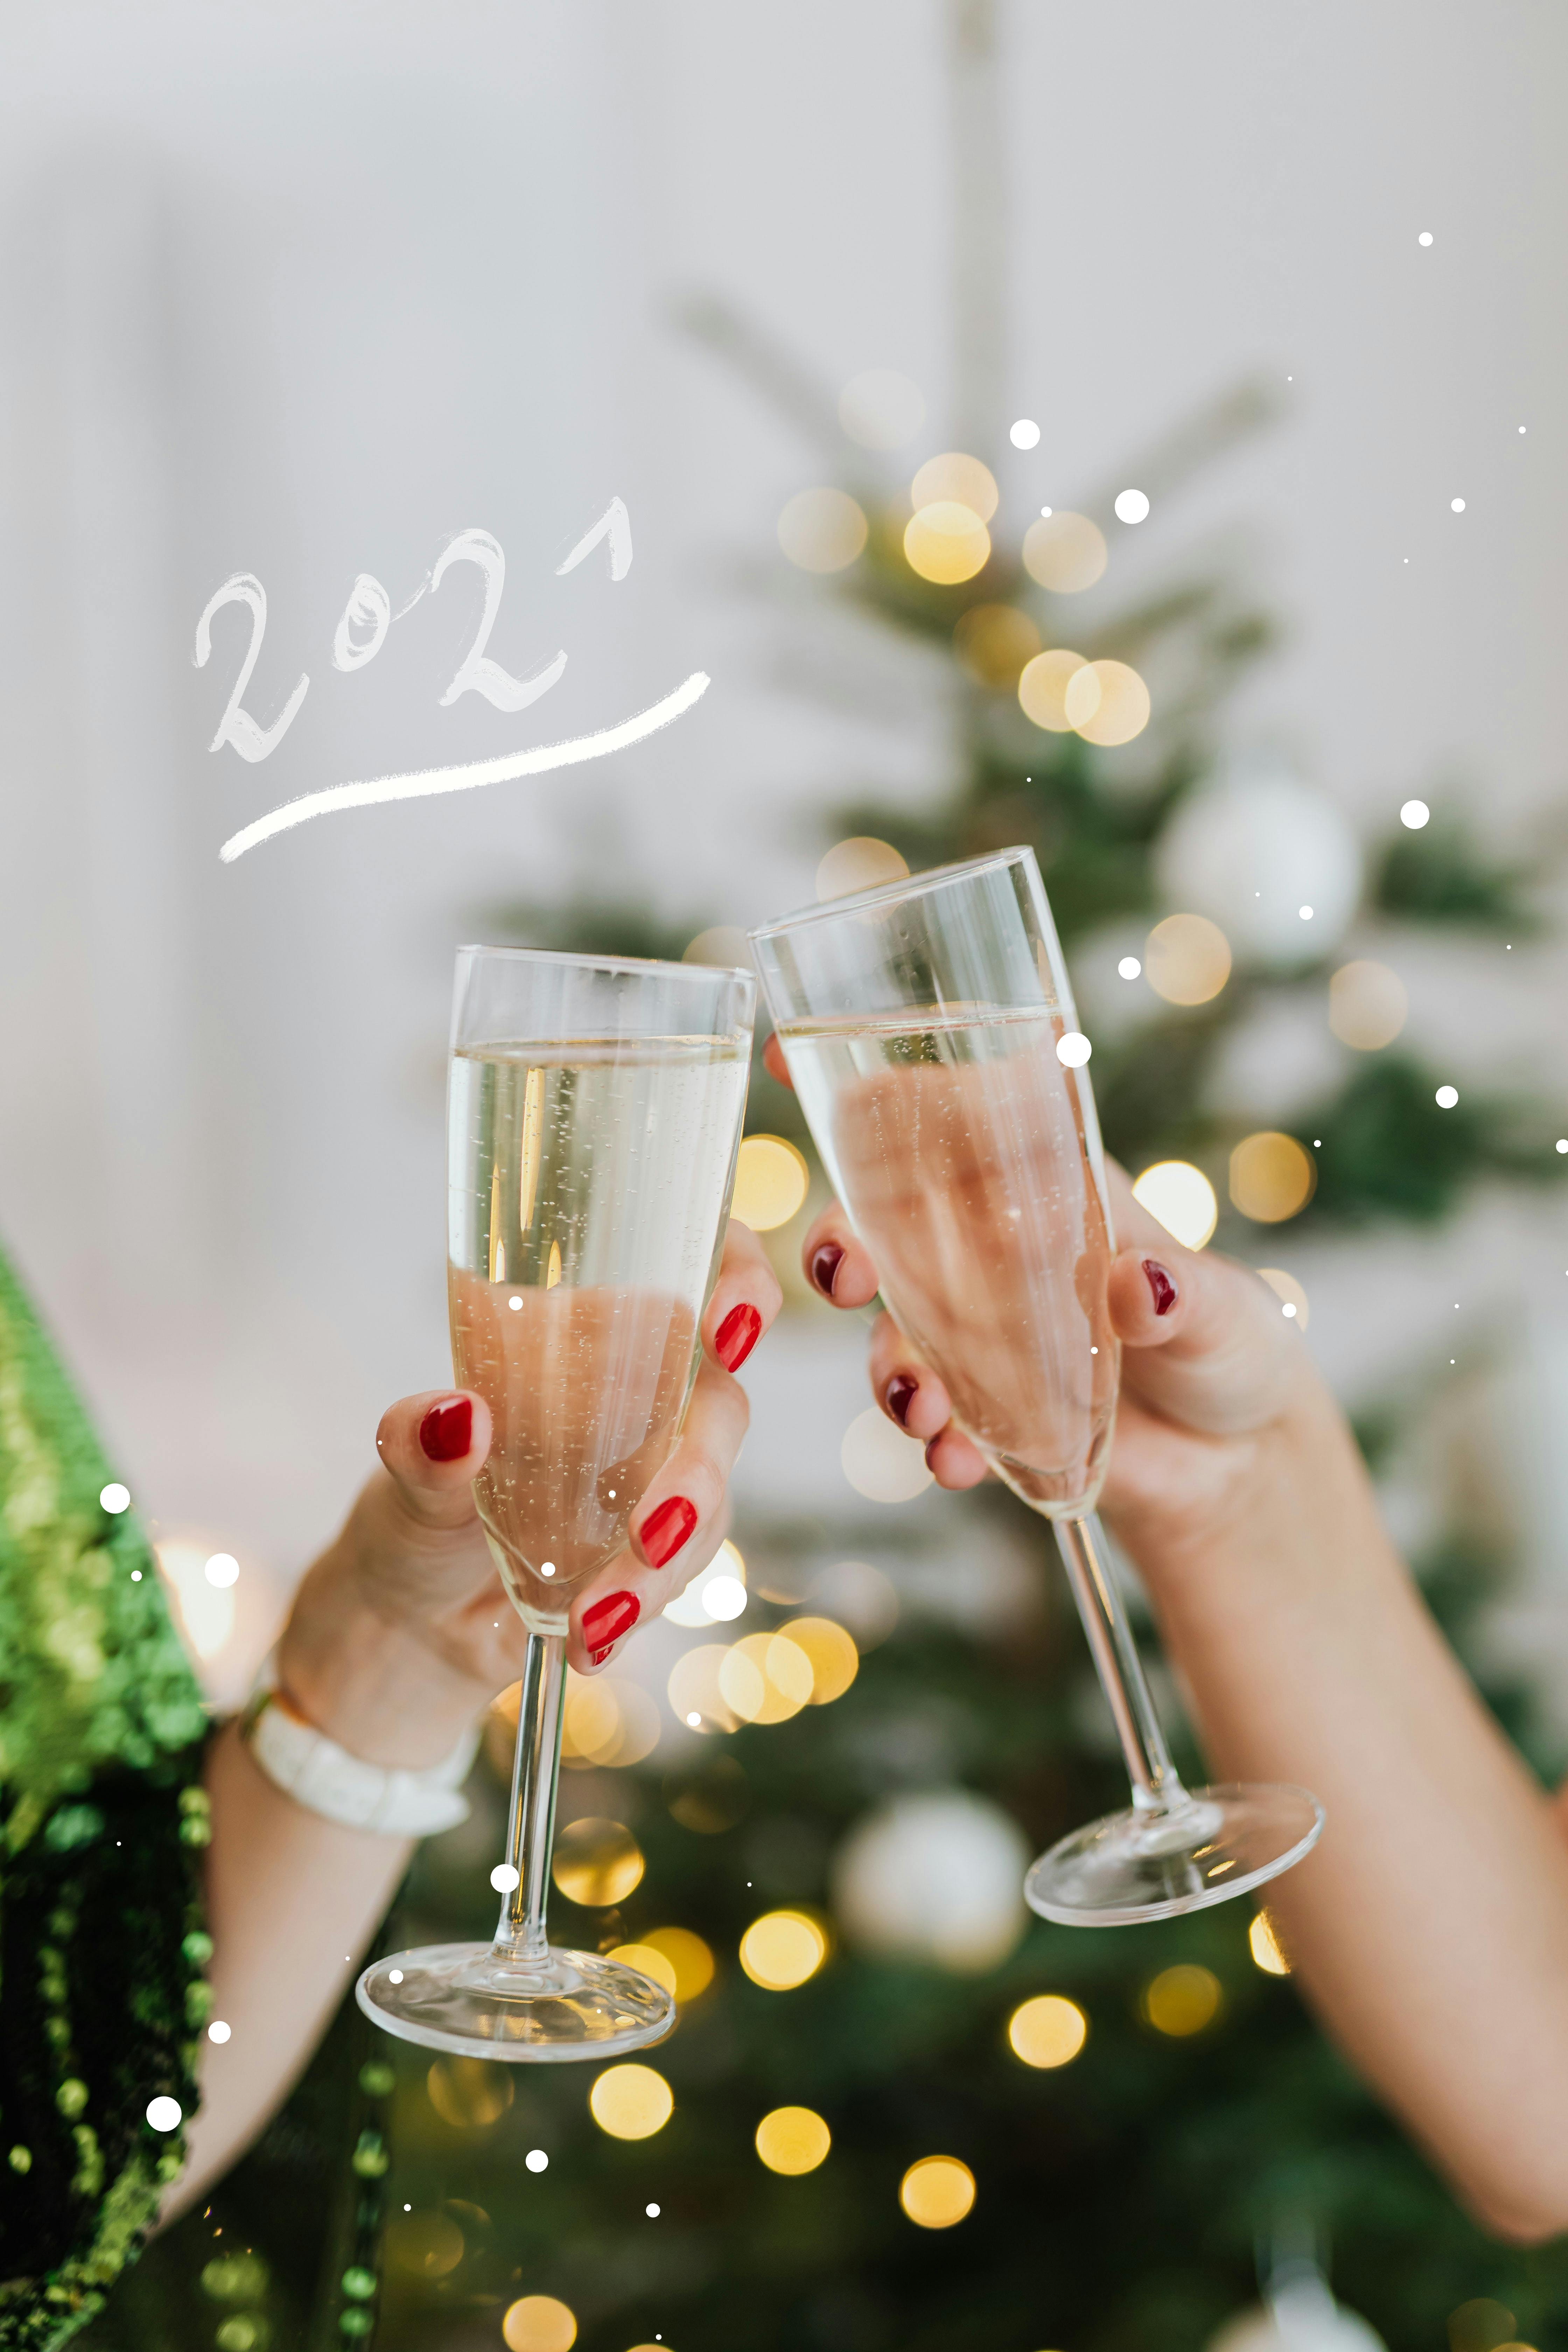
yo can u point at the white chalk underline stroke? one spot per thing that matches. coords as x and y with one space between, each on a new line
423 780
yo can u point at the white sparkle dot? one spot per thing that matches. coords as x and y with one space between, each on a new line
1288 1308
547 1568
222 1568
1131 506
164 2114
1425 237
536 2160
1094 1351
1317 1143
1305 913
1073 1050
503 1878
694 1719
394 1975
135 1575
1414 813
1524 428
1025 434
1130 967
114 1496
1457 505
724 1597
1046 512
1562 1143
217 2030
652 2210
515 1304
1446 1098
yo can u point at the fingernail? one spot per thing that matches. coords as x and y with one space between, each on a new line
664 1531
607 1620
825 1264
1159 1283
598 1657
737 1335
932 1444
899 1395
446 1431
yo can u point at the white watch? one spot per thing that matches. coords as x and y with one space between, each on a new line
316 1772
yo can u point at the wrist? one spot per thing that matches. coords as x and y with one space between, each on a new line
371 1683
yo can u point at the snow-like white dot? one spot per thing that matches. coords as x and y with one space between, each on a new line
515 1303
165 2114
135 1575
1562 1143
1414 813
503 1878
114 1496
222 1568
1446 1098
217 2030
536 2160
694 1720
1458 505
547 1568
1131 506
394 1975
1288 1308
1025 434
724 1597
1130 967
1305 913
1046 512
1524 428
652 2212
1073 1050
1425 237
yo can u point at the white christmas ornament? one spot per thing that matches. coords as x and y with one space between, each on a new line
936 1877
1250 851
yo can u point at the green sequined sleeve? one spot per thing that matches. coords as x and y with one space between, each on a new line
103 1817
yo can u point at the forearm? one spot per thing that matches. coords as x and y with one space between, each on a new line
1430 1928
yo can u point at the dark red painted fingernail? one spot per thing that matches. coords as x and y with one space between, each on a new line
664 1531
825 1261
1159 1283
899 1395
446 1431
932 1444
737 1335
608 1619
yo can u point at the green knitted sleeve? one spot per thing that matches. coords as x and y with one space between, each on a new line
103 1817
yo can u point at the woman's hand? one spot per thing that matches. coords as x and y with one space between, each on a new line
402 1631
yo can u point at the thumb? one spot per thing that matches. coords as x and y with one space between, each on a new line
434 1446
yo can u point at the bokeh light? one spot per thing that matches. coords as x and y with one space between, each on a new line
609 1721
881 409
861 863
1048 2030
538 2322
955 479
766 1678
1482 2325
471 2093
1182 2000
822 530
1367 1005
937 2191
686 1957
793 2140
648 1962
631 2102
428 2246
596 1863
206 1611
994 642
1291 1296
1268 1952
727 1569
783 1949
1186 960
721 943
1064 552
770 1180
1182 1198
1272 1177
946 543
830 1652
695 1697
1043 684
881 1462
1121 705
861 1597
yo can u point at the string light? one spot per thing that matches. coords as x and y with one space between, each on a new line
771 1182
596 1863
937 2192
1186 958
783 1949
793 2140
1182 1200
1183 2000
1048 2030
539 2324
631 2102
1064 552
1267 1953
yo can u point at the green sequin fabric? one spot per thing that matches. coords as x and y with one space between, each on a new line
102 1820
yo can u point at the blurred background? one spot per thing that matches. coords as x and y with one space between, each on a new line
1134 431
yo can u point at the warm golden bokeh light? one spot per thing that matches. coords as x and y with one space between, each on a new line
822 530
693 1689
1482 2326
954 480
861 863
646 1962
1271 1176
770 1180
427 2244
1115 711
470 2093
1048 2030
1367 1005
831 1653
793 2139
946 543
766 1678
538 2322
1186 960
1066 552
596 1863
1182 1198
721 943
631 2102
1268 1952
1290 1294
686 1957
1041 689
1183 2000
994 642
937 2191
781 1949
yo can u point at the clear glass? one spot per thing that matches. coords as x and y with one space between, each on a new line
595 1111
925 1027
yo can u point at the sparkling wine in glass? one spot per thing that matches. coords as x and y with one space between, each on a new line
594 1115
927 1028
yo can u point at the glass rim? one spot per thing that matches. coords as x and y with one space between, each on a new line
631 964
911 886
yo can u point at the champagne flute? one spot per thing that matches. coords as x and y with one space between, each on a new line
593 1118
929 1031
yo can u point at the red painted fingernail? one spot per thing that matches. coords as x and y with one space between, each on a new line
598 1657
446 1431
825 1261
1159 1283
898 1396
664 1531
608 1619
931 1446
737 1335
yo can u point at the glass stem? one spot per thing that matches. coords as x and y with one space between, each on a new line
530 1818
1156 1787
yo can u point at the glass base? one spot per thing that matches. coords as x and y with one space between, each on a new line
1154 1865
469 1999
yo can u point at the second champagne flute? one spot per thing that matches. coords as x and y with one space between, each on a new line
929 1031
593 1118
